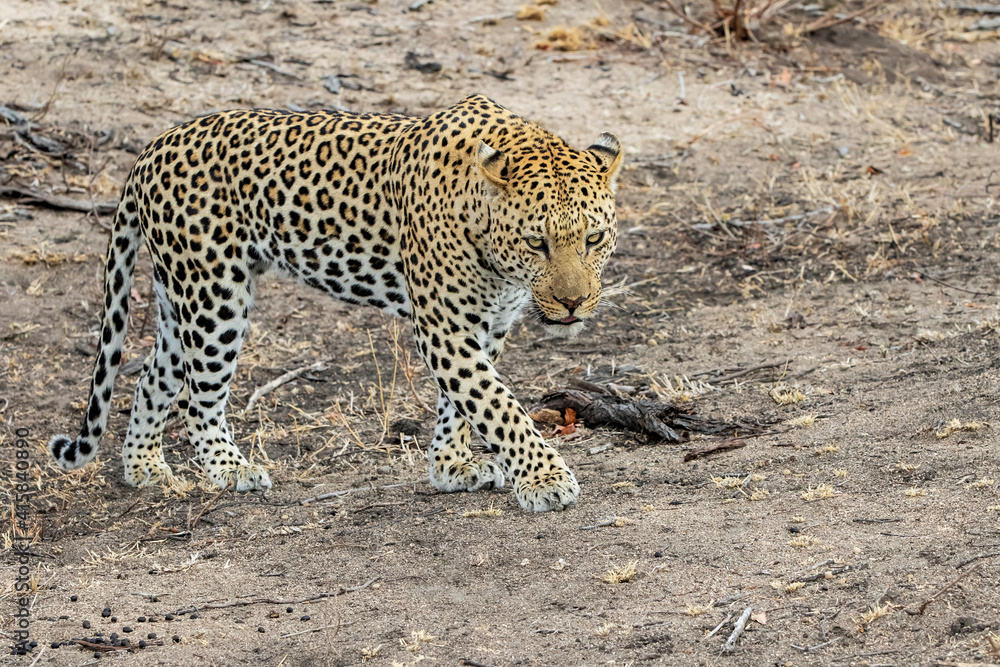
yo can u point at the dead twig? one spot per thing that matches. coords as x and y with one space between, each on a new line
337 494
949 286
828 22
192 524
918 610
810 649
730 644
973 559
336 627
244 603
713 449
776 221
472 663
718 627
278 381
57 202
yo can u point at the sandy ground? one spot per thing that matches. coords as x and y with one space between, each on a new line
809 233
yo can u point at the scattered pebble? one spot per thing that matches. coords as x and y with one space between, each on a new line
97 655
194 616
64 618
177 639
169 617
141 619
260 629
142 644
305 618
106 612
86 625
74 598
289 610
126 629
151 635
658 554
54 645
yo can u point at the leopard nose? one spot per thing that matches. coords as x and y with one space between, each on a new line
572 304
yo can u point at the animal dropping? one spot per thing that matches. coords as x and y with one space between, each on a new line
459 222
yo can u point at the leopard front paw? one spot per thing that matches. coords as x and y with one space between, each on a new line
466 476
242 477
552 491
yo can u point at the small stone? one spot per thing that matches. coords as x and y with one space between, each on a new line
305 618
114 619
54 645
260 629
74 598
142 644
126 629
124 642
64 618
141 619
86 625
194 616
177 639
657 554
288 609
169 617
97 654
151 635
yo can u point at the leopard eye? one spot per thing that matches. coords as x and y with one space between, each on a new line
536 243
595 238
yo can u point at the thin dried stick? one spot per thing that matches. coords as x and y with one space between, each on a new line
277 382
730 644
826 22
337 494
243 603
192 524
325 627
55 201
918 610
719 627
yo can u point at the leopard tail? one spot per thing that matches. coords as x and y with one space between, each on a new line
119 271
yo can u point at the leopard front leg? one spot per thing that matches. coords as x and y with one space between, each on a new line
542 481
452 467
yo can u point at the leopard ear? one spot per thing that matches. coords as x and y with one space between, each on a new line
492 164
609 151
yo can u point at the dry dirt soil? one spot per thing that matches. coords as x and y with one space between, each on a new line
809 234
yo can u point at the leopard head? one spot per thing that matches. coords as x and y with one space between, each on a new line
552 224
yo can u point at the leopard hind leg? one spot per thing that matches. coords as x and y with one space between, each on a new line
161 381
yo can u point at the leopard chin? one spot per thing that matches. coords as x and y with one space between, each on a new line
560 330
569 327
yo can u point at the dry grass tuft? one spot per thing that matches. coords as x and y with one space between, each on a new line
371 653
803 542
981 483
873 614
956 425
564 38
681 389
794 586
785 395
605 629
490 511
820 492
805 421
621 574
531 13
915 492
697 610
417 638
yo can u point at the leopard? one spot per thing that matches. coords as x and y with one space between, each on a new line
462 222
